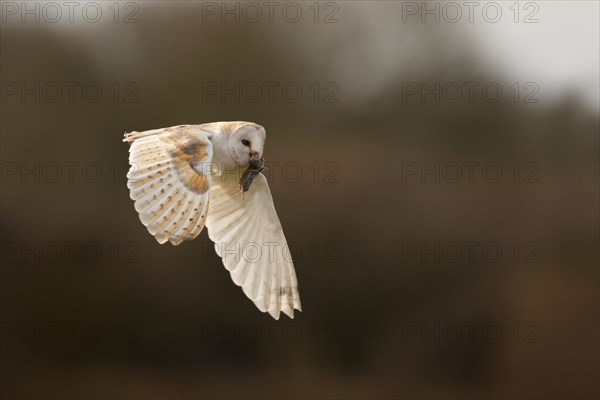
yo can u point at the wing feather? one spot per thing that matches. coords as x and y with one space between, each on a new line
250 241
171 194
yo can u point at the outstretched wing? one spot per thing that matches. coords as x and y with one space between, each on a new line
169 180
249 239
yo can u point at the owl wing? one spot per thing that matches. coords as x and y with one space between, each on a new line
249 239
169 180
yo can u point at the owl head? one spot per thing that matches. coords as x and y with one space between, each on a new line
246 143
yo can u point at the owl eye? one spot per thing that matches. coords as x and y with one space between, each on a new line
245 142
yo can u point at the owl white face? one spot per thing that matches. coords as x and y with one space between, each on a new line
247 142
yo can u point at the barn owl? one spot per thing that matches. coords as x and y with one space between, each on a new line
187 176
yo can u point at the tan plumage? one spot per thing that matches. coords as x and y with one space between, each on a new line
180 180
170 196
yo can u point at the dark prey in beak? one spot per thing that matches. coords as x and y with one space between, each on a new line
257 164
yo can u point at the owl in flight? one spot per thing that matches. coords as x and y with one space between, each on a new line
186 176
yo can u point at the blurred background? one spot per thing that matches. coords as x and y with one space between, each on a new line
434 166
